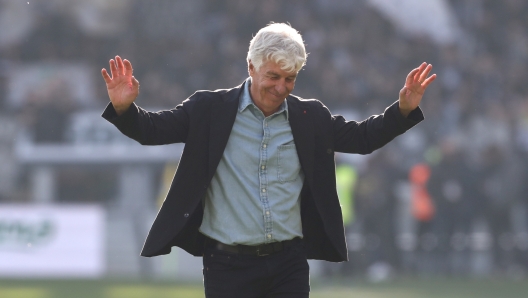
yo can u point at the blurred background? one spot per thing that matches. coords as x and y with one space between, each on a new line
447 200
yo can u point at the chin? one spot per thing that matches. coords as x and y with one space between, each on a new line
276 100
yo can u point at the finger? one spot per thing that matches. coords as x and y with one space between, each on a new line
428 81
425 74
120 66
106 76
113 69
410 77
128 67
420 70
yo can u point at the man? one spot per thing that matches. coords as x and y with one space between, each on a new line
255 191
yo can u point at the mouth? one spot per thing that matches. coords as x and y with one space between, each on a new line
278 96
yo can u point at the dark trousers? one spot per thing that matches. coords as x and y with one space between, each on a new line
281 274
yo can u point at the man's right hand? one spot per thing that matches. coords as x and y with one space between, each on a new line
122 87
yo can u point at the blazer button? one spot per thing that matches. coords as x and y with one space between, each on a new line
186 215
329 151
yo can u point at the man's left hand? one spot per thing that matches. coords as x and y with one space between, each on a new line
417 81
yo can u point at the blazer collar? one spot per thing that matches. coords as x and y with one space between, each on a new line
301 123
223 114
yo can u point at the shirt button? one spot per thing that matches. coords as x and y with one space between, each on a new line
263 190
269 236
263 167
264 145
267 212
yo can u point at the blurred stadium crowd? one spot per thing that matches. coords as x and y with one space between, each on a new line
470 154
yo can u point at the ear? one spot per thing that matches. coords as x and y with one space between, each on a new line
251 68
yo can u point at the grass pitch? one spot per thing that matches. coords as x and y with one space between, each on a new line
410 288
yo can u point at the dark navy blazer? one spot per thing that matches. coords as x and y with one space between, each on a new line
204 121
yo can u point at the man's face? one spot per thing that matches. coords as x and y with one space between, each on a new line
270 85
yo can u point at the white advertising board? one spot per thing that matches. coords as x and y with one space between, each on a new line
52 241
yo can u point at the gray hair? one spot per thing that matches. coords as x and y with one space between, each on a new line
278 42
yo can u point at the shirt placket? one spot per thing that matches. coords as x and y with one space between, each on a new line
263 180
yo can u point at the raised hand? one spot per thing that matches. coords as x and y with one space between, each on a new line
122 87
415 85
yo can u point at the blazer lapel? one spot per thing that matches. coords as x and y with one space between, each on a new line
223 114
302 130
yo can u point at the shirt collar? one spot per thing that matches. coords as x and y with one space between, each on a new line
245 101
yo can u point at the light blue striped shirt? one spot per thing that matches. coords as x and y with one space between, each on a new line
254 196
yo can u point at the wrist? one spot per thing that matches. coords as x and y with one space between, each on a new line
120 109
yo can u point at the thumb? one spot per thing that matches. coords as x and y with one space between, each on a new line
405 91
135 82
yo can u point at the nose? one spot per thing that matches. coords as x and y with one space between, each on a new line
280 87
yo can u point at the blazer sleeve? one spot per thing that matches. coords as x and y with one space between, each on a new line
374 132
152 128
